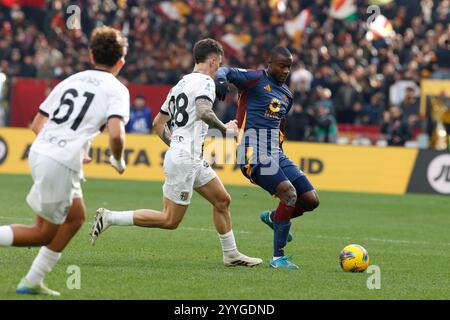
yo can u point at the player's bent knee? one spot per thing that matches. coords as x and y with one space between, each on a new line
44 238
78 223
292 198
223 203
312 202
75 223
287 193
289 196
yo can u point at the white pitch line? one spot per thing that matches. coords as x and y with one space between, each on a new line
398 241
411 242
414 242
210 230
406 241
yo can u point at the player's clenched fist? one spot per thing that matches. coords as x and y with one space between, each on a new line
232 128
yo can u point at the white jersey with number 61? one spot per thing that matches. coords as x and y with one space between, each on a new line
189 132
78 108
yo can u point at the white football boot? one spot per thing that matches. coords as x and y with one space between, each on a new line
100 224
241 260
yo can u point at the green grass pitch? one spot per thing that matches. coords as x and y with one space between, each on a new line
406 236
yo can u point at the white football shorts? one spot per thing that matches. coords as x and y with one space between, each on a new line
183 175
54 188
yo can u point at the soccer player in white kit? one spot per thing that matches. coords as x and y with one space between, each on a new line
68 120
189 107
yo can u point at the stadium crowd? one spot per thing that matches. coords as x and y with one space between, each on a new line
339 76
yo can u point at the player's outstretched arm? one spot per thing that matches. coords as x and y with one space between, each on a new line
205 113
161 128
116 131
241 78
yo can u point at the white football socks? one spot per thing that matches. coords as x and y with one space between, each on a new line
6 236
42 264
228 243
120 218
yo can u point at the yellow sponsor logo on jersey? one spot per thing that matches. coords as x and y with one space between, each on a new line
275 105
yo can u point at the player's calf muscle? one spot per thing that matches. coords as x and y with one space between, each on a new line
35 236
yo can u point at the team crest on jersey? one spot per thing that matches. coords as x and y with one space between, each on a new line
285 99
184 196
267 88
208 87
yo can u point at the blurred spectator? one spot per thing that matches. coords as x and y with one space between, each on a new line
396 130
140 116
2 116
230 109
2 109
325 129
301 78
323 97
410 108
371 113
298 124
331 53
399 90
345 98
322 77
443 58
358 112
28 68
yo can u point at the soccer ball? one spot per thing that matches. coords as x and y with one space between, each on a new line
354 258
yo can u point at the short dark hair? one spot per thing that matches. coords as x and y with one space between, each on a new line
279 50
107 45
205 47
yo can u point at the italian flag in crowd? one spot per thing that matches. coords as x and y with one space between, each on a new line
174 10
235 43
343 10
295 27
381 27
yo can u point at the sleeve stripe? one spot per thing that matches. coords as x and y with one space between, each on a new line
43 113
115 116
102 127
164 112
203 97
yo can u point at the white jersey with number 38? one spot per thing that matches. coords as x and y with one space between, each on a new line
189 132
78 108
